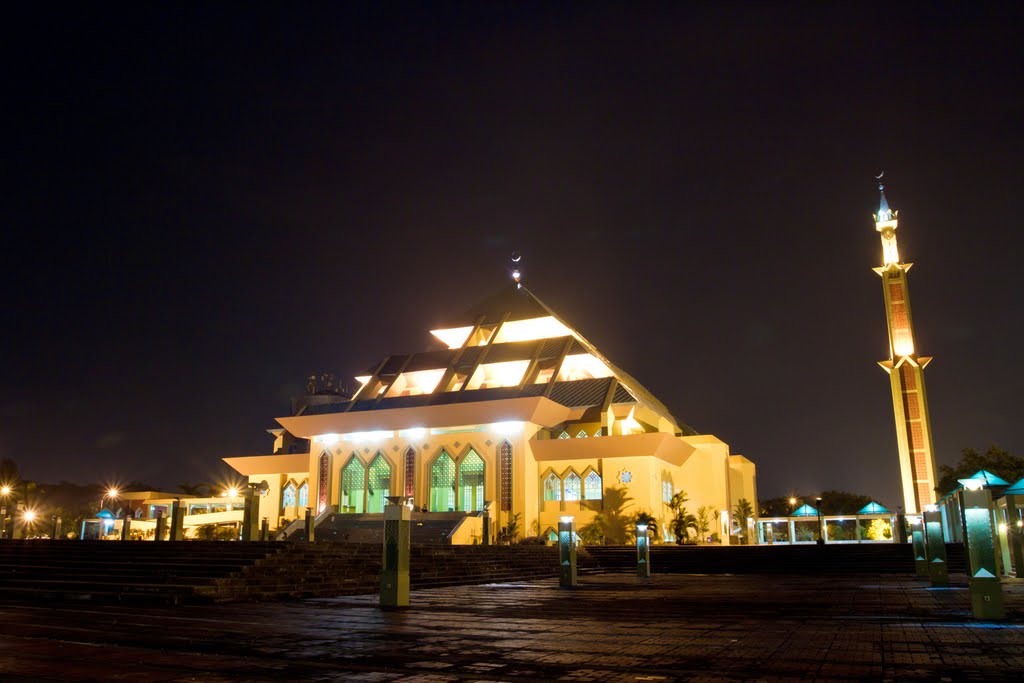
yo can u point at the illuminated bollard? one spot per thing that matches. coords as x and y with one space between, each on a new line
394 573
935 547
126 526
985 589
310 531
643 552
250 515
177 521
55 531
566 553
917 538
161 526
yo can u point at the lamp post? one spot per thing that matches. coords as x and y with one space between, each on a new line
643 552
566 552
821 538
5 494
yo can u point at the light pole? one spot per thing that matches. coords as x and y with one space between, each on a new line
5 492
821 538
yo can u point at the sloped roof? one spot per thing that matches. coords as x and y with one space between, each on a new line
516 301
1017 489
989 478
872 508
805 510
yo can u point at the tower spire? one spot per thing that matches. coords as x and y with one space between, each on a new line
906 370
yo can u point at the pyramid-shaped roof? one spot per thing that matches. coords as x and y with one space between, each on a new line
510 304
987 477
872 508
1016 489
805 510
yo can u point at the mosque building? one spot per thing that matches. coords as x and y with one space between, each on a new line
513 410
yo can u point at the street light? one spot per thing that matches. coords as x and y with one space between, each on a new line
821 539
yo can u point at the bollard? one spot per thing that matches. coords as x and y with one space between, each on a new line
126 526
643 552
983 585
935 548
917 537
486 539
177 521
250 515
310 531
1015 534
900 530
394 573
566 552
55 531
4 523
161 526
265 529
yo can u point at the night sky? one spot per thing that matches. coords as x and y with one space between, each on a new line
205 203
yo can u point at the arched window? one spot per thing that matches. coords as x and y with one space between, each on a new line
592 486
564 435
288 495
378 486
410 473
582 434
353 486
442 484
599 432
322 483
505 468
666 491
471 482
552 535
572 486
552 487
304 494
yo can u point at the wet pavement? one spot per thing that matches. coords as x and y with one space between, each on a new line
610 628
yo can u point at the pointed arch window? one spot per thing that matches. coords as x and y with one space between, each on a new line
592 486
288 495
599 432
378 485
666 491
353 486
471 481
564 435
505 467
572 486
582 434
552 487
442 484
410 473
304 494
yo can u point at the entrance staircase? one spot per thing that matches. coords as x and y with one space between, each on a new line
884 558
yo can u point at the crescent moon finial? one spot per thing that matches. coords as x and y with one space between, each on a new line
879 176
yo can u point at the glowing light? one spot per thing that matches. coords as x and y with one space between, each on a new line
416 383
582 366
792 501
491 375
507 427
567 519
363 379
1002 527
369 436
1020 522
328 439
112 492
5 490
231 492
414 433
454 337
903 345
533 328
641 528
931 508
29 515
973 484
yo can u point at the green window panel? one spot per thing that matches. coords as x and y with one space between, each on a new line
592 486
353 486
572 486
471 482
379 486
552 487
442 484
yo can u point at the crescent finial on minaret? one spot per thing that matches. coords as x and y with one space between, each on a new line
516 274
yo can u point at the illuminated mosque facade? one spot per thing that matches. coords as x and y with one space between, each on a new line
513 410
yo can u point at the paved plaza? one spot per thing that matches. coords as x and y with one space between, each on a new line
611 628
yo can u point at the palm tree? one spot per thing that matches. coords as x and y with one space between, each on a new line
741 513
648 519
681 525
611 524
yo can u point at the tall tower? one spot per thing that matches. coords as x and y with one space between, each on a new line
906 371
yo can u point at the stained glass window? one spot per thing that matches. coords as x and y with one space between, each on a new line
322 489
592 486
353 486
552 487
442 484
410 473
304 495
572 486
582 434
505 467
599 432
378 484
564 435
666 491
288 496
471 482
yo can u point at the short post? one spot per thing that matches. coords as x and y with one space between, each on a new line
126 525
935 548
486 540
920 552
566 552
310 531
394 573
55 532
4 523
643 552
177 521
161 526
1015 534
900 532
821 530
265 529
984 587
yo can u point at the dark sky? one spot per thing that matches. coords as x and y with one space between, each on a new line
205 203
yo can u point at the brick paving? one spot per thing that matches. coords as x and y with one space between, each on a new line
611 628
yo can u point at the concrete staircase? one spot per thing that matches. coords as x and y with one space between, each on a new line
427 528
887 558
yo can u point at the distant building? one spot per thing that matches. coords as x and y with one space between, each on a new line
514 408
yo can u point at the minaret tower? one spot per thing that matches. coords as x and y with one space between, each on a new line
906 371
